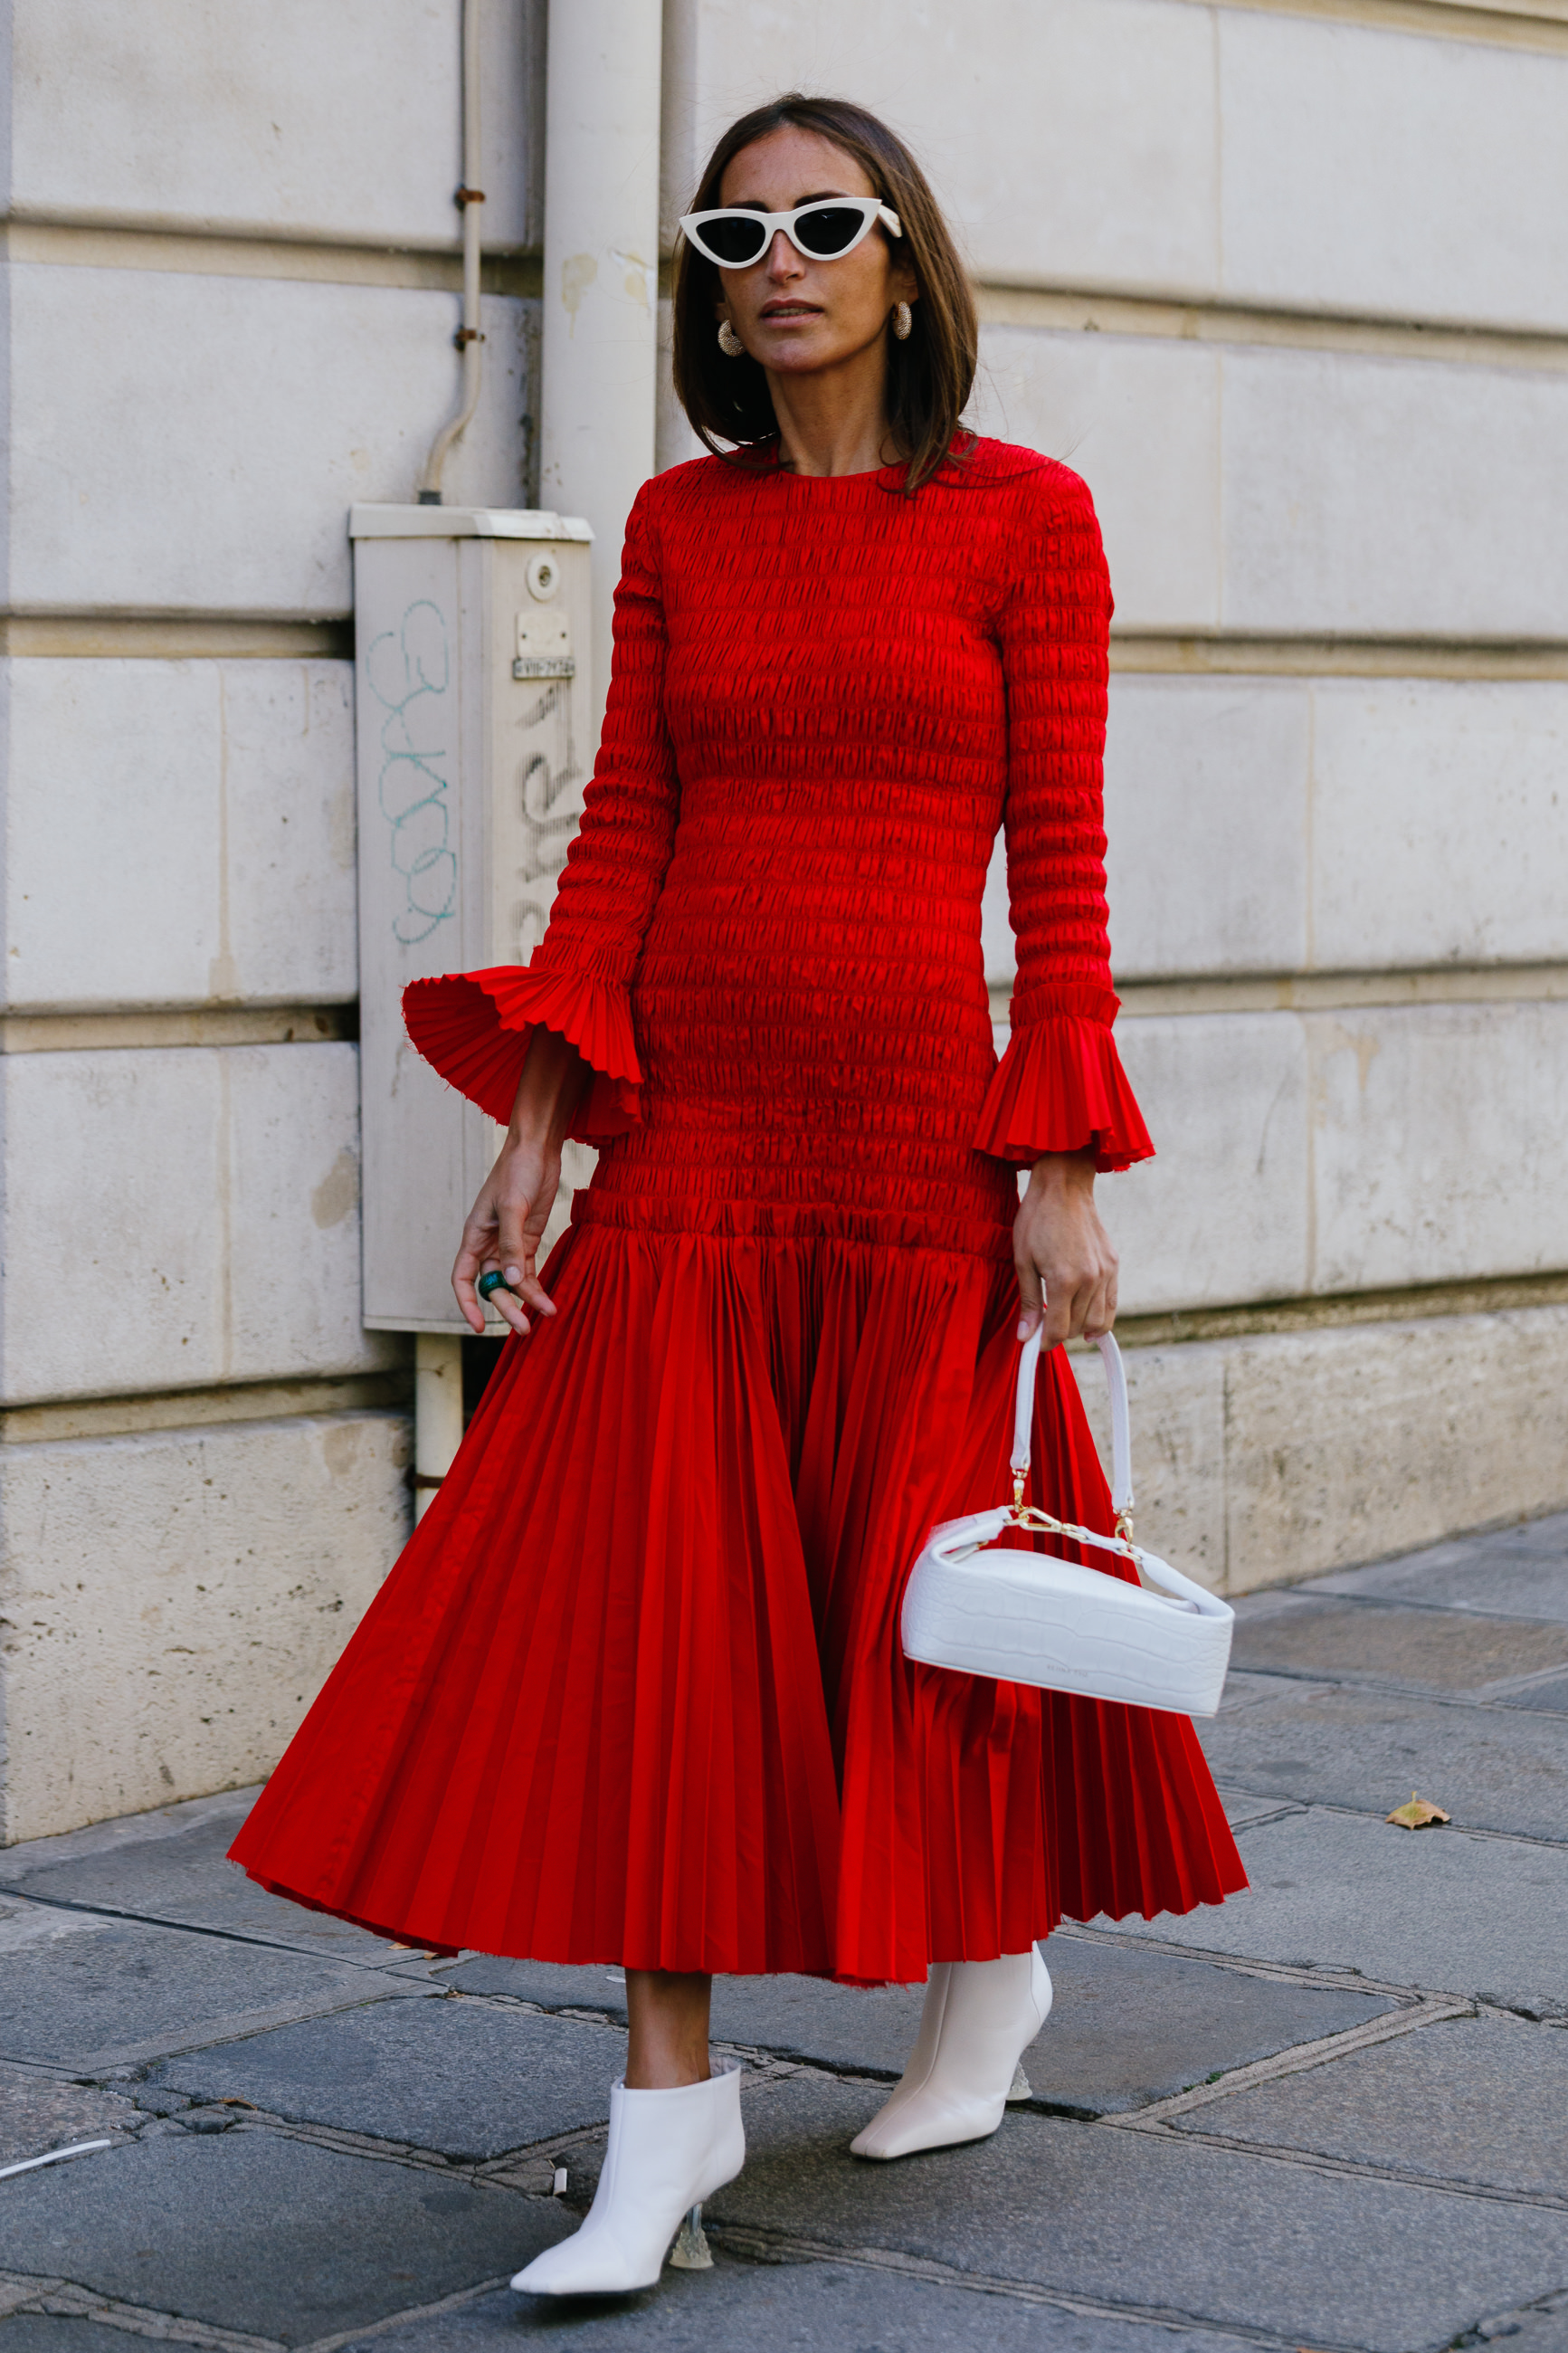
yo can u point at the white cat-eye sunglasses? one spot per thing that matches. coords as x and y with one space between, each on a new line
824 230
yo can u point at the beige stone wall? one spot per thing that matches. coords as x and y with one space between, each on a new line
1285 283
231 280
1267 1456
175 1599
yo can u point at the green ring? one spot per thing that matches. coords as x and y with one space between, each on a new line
494 1280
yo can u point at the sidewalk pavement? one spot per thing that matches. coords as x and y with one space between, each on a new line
1332 2114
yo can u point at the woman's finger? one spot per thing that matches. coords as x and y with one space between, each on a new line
1099 1314
521 1221
504 1298
1032 1296
476 1245
465 1272
517 1251
530 1289
1081 1304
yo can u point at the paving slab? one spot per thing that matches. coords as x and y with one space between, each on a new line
133 1830
1548 1534
1358 1641
1540 1699
1216 2236
1240 1808
1121 2036
37 2116
1541 2330
815 2308
40 1923
178 1871
1128 2026
102 1992
1521 1572
1243 1691
597 1987
1491 1767
267 2236
39 2332
1433 1908
1469 2099
459 2077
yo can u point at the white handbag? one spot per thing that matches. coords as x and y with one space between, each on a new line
1029 1618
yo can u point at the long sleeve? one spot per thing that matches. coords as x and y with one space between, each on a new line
1060 1086
475 1028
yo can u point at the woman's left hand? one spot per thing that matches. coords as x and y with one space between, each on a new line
1067 1267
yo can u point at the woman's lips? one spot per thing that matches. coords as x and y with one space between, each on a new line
793 310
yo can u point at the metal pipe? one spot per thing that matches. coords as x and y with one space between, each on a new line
438 1358
437 1413
600 360
469 340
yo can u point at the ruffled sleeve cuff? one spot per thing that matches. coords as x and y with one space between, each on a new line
1061 1087
474 1028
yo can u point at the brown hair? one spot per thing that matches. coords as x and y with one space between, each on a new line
928 376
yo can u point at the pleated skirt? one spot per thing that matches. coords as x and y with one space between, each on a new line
633 1694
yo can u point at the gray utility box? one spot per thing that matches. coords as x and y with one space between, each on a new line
473 712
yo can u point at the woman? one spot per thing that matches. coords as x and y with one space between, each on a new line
635 1692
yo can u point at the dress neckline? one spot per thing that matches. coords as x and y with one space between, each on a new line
820 484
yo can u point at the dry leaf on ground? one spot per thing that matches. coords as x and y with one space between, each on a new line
1417 1815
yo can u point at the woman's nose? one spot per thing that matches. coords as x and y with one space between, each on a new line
782 260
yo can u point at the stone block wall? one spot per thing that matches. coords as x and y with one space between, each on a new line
1282 278
231 284
1285 283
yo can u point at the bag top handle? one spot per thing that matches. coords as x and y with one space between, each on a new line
1120 1427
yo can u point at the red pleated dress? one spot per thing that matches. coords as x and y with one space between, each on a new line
634 1692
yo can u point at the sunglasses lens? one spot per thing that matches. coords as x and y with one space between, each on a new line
734 242
829 229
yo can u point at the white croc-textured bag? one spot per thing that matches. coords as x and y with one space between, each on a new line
1029 1618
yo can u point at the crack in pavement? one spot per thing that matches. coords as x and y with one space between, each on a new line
408 1959
780 2246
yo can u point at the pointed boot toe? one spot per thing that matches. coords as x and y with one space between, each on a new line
668 2151
928 2122
587 2264
988 2014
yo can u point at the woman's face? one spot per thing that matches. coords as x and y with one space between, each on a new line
792 314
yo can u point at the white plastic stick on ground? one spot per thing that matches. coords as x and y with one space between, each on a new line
77 2148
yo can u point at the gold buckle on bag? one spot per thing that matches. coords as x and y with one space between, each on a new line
1037 1523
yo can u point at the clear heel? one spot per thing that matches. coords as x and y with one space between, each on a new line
1020 2087
667 2151
691 2252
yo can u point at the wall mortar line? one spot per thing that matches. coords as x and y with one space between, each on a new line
213 249
158 1028
71 1420
1236 653
1523 25
173 637
1155 314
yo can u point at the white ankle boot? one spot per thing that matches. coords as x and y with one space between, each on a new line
669 2150
980 2017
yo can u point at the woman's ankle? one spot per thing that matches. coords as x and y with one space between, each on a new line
660 2073
668 2014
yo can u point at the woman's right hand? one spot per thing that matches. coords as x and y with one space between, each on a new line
504 1230
506 1224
